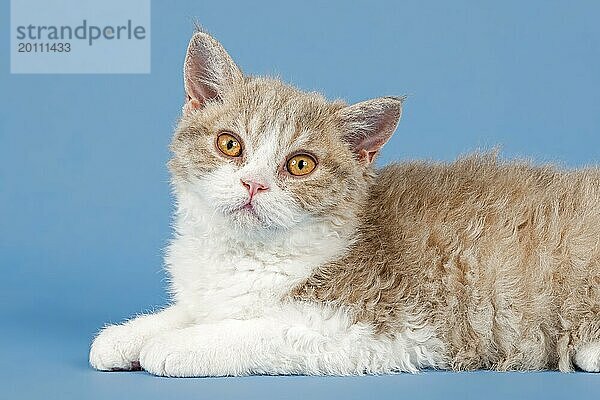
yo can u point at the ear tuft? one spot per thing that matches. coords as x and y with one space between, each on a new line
368 125
208 71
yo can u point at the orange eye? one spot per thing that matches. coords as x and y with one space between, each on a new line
229 145
301 164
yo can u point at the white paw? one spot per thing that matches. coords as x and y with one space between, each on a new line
172 355
116 348
587 357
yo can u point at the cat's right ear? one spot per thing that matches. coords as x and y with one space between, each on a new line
208 71
368 125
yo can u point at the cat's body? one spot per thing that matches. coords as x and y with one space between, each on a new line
502 259
292 255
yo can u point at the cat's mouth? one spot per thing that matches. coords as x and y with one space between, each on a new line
248 209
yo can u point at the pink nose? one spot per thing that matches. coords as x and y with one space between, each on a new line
253 186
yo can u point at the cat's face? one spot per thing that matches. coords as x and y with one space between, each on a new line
267 156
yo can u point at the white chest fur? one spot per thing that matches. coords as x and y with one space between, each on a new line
218 273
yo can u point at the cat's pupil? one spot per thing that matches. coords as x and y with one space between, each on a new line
301 164
230 144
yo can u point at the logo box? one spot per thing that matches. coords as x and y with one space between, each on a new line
80 36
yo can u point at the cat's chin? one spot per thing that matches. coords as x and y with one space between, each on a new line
248 218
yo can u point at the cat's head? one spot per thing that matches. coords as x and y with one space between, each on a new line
266 156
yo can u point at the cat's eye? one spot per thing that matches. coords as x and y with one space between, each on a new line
229 145
301 164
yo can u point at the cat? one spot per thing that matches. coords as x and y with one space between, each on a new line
292 254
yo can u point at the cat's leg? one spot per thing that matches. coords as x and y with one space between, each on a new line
117 347
324 342
587 357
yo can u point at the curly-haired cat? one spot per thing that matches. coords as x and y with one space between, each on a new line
292 254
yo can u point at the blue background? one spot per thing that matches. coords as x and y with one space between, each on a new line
84 195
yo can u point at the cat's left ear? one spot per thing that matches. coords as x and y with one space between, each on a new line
208 71
368 125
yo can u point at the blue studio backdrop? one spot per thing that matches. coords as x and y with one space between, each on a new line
85 203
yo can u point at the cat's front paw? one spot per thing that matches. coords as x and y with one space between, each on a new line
171 355
116 348
190 352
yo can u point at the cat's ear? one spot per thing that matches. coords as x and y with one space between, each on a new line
369 124
208 71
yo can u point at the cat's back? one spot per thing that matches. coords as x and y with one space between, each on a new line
480 185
